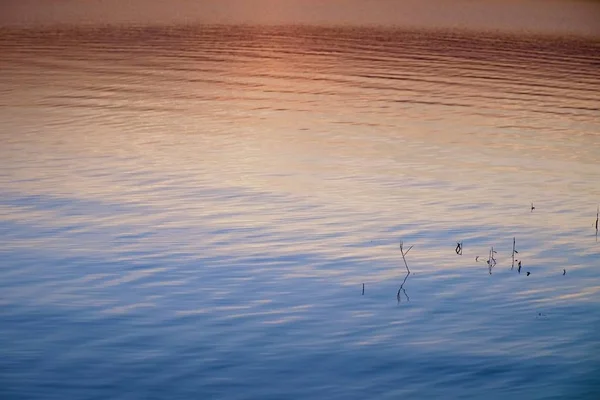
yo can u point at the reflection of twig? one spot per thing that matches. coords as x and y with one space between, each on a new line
402 290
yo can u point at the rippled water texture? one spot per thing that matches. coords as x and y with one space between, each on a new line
191 213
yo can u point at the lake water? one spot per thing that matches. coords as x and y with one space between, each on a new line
191 212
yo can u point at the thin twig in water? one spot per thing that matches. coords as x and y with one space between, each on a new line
491 260
513 255
404 253
459 247
401 290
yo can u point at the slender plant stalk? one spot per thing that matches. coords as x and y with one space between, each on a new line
491 260
459 246
513 255
404 253
401 290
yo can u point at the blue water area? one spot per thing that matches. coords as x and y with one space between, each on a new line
193 212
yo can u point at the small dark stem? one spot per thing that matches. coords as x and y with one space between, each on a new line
513 255
402 290
458 249
491 260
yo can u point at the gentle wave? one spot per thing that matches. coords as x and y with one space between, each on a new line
212 199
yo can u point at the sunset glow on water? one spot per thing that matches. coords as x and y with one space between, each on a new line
192 211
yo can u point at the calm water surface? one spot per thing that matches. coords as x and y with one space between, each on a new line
191 212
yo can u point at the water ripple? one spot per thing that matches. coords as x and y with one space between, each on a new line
196 209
